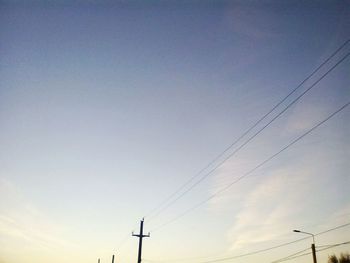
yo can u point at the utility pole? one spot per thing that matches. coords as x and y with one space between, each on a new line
313 249
98 261
313 252
113 259
140 236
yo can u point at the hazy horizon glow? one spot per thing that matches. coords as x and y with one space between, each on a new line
107 108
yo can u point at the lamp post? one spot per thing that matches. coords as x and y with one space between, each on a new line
312 245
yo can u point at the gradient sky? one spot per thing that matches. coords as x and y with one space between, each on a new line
106 108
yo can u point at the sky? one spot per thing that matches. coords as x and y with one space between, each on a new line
108 107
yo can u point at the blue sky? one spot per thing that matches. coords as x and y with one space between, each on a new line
107 108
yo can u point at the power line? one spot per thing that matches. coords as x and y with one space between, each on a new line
247 131
297 256
123 241
278 246
126 238
275 247
290 258
324 246
292 255
256 167
260 250
159 210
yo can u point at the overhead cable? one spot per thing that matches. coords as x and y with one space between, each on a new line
256 167
204 176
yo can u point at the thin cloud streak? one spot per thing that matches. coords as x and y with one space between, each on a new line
21 222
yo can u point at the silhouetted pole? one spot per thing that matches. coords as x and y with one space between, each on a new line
140 236
98 261
313 249
313 252
113 259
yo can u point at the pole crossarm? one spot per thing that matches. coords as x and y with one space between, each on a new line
137 235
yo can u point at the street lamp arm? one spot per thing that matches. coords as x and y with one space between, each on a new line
312 245
307 233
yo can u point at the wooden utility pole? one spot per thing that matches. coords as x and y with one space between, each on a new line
140 236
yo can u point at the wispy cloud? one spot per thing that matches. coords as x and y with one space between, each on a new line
304 192
22 223
268 209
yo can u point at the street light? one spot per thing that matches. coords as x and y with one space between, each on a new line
312 245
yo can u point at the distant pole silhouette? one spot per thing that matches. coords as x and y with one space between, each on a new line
113 259
98 261
140 236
